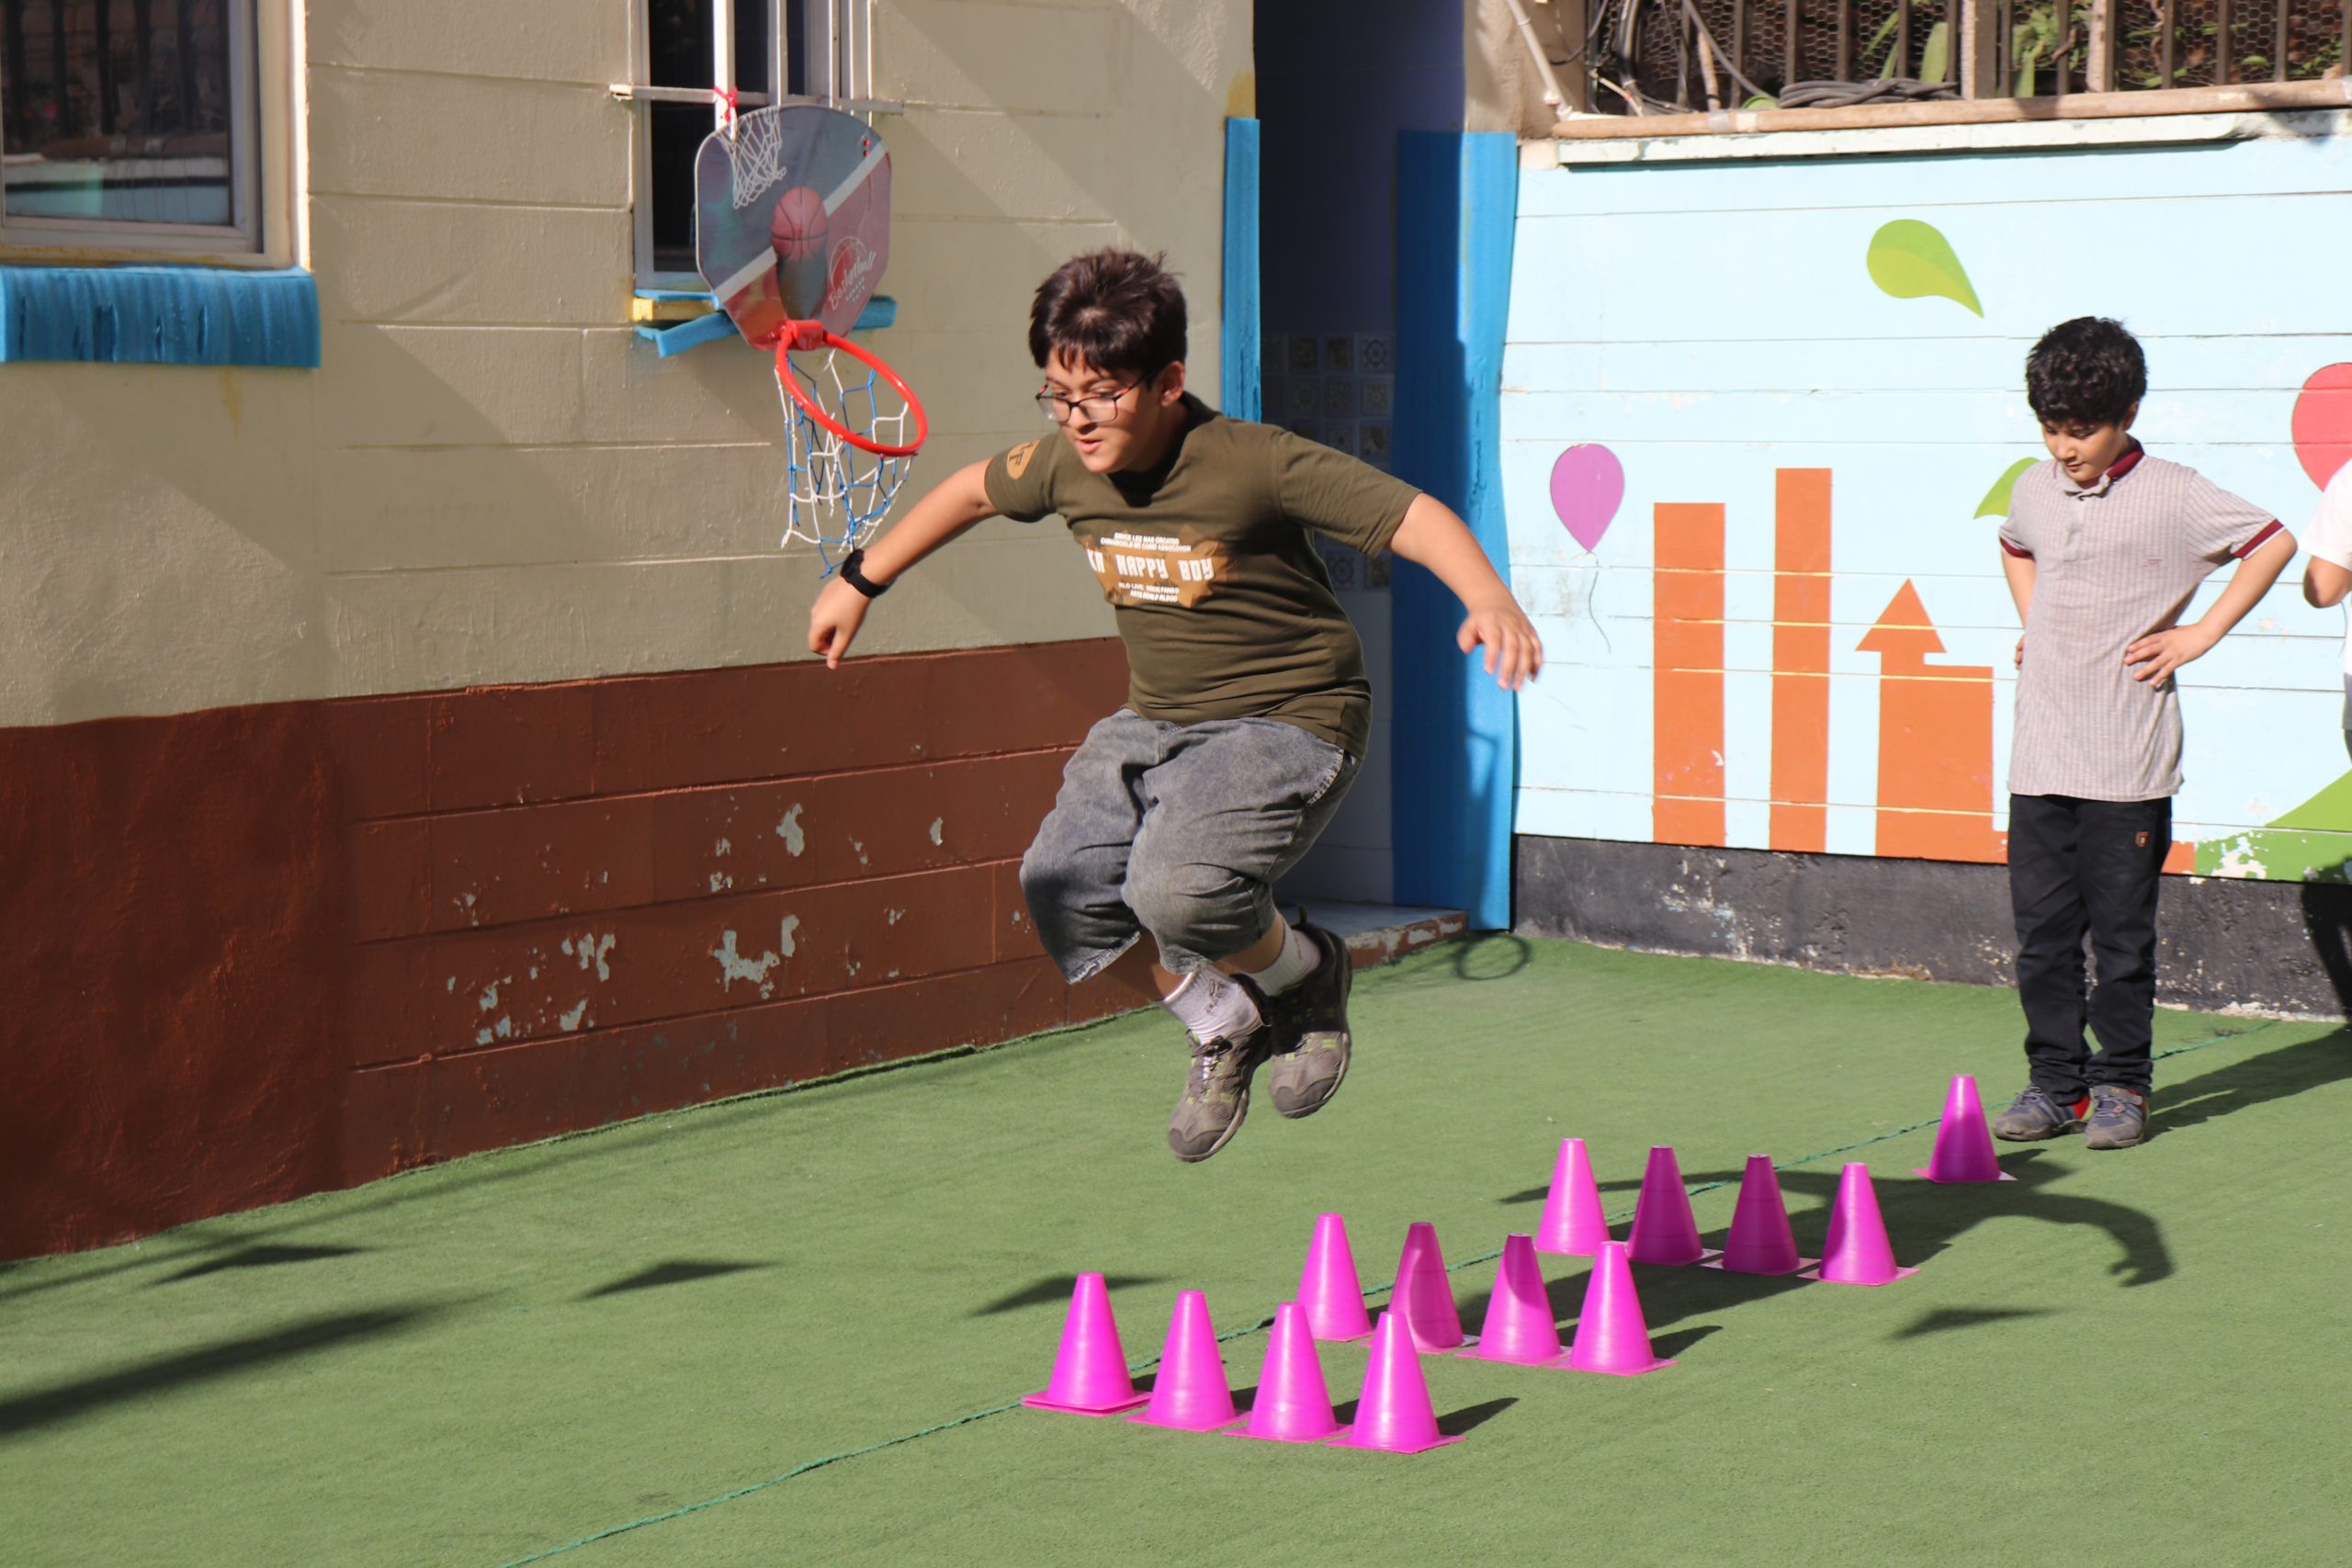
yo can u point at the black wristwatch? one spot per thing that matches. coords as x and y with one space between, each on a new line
858 579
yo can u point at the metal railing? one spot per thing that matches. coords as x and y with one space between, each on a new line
1670 56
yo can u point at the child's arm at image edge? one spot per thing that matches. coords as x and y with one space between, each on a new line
947 509
1432 536
2158 654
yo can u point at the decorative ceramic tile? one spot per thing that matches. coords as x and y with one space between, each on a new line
1339 436
1274 394
1371 443
1274 350
1340 397
1345 566
1374 357
1305 396
1339 354
1374 396
1305 354
1307 428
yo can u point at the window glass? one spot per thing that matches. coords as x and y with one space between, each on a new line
118 111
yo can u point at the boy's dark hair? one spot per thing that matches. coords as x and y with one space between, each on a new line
1115 310
2085 371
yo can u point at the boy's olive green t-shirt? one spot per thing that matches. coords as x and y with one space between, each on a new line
1224 605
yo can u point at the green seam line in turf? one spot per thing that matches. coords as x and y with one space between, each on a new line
1148 1363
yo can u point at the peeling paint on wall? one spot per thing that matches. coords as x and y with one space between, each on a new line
789 831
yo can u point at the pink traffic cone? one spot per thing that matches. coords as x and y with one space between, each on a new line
1190 1393
1664 1231
1292 1404
1761 1242
1423 1294
1963 1143
1328 1289
1090 1369
1572 1224
1610 1336
1519 1328
1857 1252
1393 1414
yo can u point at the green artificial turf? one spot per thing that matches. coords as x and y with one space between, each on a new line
2130 1358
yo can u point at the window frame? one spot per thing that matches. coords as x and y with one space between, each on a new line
722 45
256 232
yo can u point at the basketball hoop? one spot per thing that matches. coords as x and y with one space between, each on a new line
851 427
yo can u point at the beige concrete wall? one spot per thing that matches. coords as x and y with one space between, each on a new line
491 479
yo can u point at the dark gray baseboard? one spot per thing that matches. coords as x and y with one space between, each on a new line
2283 947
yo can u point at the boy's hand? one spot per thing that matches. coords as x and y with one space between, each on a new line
2158 654
1514 653
833 621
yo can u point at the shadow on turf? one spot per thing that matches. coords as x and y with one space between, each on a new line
1055 1289
163 1375
678 1272
264 1256
1943 1320
2253 1080
1454 1422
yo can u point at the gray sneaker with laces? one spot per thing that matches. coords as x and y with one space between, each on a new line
2118 1117
1310 1027
1216 1094
2033 1115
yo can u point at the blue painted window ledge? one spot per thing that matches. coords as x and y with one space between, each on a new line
159 315
880 311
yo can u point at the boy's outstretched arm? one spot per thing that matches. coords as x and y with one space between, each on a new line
2158 654
2324 583
949 507
1432 536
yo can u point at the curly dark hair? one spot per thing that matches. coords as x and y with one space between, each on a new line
1115 310
2085 371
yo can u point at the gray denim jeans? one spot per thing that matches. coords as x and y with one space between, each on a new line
1178 830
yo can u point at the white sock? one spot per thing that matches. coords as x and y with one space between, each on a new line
1298 958
1213 1007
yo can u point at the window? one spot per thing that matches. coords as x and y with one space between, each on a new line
690 55
1679 56
129 124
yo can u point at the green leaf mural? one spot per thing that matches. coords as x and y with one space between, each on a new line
2311 844
1912 260
1996 500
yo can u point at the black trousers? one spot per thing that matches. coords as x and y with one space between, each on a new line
2077 866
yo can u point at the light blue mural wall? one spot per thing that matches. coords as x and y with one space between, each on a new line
1711 323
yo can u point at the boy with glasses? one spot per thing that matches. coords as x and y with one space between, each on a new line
1248 703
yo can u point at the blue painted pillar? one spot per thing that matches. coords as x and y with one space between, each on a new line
1242 389
1456 731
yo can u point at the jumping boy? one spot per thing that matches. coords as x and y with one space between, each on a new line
1248 703
2103 546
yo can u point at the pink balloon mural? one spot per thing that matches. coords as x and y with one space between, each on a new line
2322 425
1587 484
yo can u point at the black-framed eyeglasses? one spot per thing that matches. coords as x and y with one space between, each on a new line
1095 408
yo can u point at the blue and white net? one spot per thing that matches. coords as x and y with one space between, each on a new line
837 493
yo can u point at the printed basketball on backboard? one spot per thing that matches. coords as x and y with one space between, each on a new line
792 218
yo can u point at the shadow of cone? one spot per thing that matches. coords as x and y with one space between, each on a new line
1760 1241
1573 1225
1964 1150
1855 1252
1610 1334
1422 1297
1329 1291
1519 1328
1090 1370
1292 1405
1664 1231
1190 1394
1393 1414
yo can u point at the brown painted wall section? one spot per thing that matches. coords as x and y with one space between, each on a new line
259 951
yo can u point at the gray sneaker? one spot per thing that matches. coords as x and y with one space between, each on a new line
2034 1115
1310 1028
2118 1117
1216 1094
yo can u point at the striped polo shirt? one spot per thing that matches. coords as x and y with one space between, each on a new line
2112 562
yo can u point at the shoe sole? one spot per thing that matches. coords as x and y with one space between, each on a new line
1339 953
2037 1137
